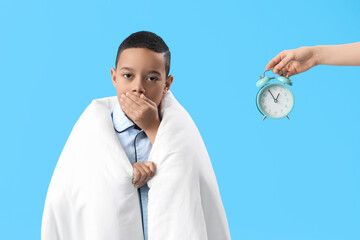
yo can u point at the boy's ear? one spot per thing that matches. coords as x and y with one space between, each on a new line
113 76
168 83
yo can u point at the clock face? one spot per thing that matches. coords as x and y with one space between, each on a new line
275 100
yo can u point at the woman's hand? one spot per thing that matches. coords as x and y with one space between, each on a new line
293 61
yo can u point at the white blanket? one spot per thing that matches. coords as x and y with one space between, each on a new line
91 195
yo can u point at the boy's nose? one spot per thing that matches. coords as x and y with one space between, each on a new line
138 88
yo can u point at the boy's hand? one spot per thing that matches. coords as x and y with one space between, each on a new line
143 112
142 173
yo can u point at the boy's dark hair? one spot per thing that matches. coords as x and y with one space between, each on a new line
149 40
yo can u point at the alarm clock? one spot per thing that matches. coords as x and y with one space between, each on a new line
274 100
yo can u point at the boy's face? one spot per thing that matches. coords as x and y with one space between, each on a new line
140 70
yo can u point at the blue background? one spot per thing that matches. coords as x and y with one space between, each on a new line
279 179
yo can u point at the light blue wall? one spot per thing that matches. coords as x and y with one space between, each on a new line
279 179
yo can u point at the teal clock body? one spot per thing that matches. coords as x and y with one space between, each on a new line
274 100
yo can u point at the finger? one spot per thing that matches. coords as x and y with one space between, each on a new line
140 172
139 185
152 167
274 61
144 173
131 98
276 71
127 104
147 178
122 104
144 177
130 108
142 96
284 62
136 175
283 72
148 173
289 69
126 109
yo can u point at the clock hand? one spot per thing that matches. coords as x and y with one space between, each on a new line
271 94
277 96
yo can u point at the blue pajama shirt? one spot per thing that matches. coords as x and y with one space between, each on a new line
137 147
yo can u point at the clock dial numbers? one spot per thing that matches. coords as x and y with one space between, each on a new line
276 101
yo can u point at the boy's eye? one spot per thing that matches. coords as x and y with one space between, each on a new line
152 78
127 75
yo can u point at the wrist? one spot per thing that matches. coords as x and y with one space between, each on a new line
318 55
152 131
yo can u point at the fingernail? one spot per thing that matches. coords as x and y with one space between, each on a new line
122 95
127 93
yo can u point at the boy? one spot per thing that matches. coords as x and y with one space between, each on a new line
113 145
140 70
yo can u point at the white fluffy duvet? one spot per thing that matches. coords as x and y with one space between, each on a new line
91 195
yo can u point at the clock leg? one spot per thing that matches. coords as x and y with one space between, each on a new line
264 118
287 117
